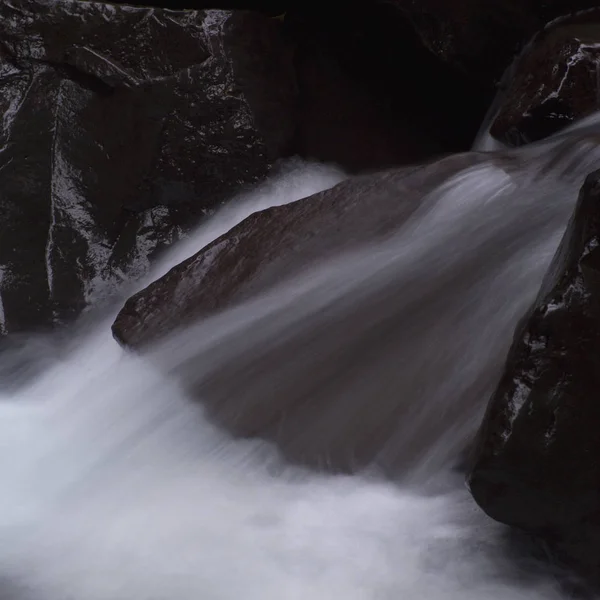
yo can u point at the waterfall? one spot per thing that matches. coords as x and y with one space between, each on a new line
115 485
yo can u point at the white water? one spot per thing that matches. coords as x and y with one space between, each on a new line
114 487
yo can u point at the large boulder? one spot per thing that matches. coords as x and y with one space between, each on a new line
536 464
334 374
270 7
123 126
371 94
272 243
555 83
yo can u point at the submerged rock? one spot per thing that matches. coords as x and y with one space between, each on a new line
535 465
556 82
122 126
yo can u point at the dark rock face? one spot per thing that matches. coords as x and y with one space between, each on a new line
369 89
476 38
480 38
556 82
121 128
536 465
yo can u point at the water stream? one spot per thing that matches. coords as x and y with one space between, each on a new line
115 486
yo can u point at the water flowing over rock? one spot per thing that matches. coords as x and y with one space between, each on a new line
270 244
536 462
122 126
281 334
556 82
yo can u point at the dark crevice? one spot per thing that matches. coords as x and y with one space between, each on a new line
83 79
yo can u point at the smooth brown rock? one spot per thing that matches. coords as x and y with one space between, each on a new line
322 381
267 246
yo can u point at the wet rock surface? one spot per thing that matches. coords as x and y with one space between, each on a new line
535 465
254 382
124 126
121 127
269 245
556 83
476 38
371 93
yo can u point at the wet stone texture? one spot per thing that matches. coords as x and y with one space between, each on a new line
270 245
536 464
556 83
121 127
478 38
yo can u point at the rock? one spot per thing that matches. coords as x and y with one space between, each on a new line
370 90
269 244
535 465
556 82
122 127
476 38
480 38
255 383
270 7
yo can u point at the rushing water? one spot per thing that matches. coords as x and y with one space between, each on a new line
115 487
